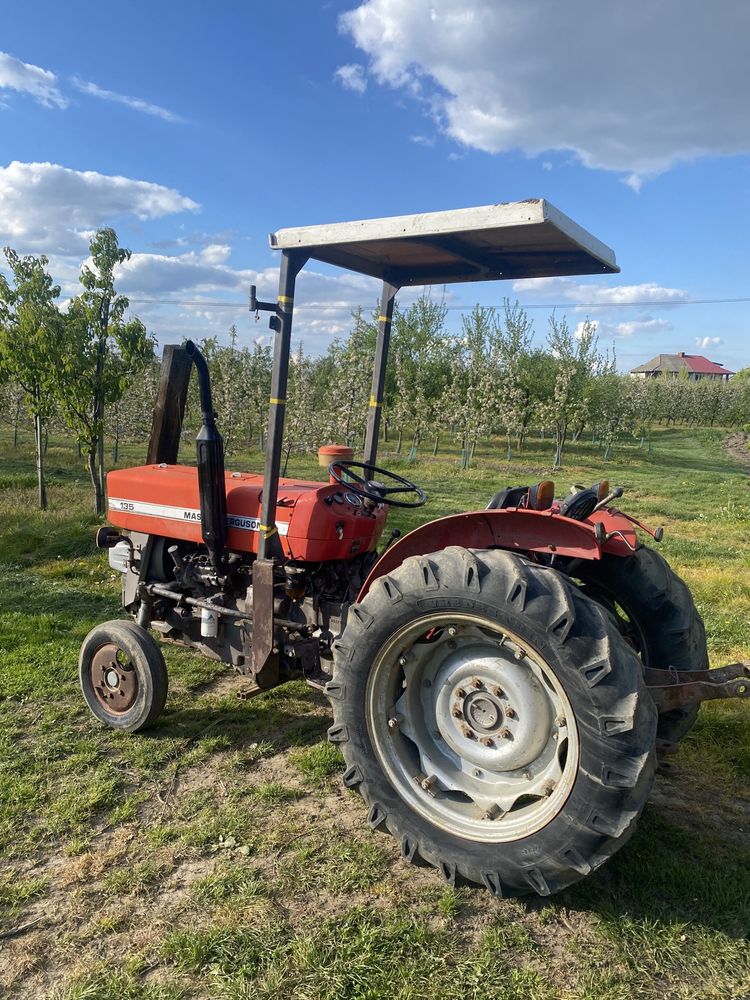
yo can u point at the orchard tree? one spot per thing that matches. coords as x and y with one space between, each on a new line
470 398
575 358
302 414
510 343
11 403
30 331
347 393
102 353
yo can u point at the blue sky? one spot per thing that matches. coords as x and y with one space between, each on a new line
196 129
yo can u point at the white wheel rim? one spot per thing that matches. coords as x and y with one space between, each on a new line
472 727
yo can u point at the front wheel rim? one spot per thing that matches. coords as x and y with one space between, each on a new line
113 679
472 727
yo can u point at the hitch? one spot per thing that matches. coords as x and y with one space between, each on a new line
673 688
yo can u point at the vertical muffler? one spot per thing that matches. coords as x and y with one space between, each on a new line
209 447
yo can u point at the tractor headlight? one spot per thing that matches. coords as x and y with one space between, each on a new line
119 556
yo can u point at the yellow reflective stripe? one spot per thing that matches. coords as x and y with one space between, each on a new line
384 319
285 299
277 402
268 531
374 402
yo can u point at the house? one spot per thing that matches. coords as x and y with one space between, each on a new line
671 365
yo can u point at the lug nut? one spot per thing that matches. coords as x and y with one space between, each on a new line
468 733
395 722
461 693
428 782
402 661
493 812
457 713
477 682
452 630
498 692
520 653
487 741
505 733
511 712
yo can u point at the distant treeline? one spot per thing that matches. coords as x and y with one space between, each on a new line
95 373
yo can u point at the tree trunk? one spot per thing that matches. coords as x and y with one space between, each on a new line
435 446
96 482
398 443
101 490
41 485
16 418
116 442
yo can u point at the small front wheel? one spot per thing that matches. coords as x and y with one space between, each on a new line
123 675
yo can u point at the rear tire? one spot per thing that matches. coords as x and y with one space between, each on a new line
570 781
123 675
660 619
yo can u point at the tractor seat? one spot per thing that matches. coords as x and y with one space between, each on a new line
511 496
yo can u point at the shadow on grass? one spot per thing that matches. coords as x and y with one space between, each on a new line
668 876
284 723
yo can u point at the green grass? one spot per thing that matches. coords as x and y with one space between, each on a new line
218 855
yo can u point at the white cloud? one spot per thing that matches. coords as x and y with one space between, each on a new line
48 208
136 103
633 88
645 325
584 293
606 330
705 342
26 78
352 77
210 295
423 140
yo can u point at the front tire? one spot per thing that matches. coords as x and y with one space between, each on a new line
123 675
493 719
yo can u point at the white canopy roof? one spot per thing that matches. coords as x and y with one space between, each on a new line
521 239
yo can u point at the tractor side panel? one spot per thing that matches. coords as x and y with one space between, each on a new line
164 500
514 529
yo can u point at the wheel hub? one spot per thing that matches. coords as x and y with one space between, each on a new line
115 684
473 727
482 712
490 708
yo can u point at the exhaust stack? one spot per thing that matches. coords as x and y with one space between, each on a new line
210 453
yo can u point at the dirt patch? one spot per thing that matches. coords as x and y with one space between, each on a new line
736 446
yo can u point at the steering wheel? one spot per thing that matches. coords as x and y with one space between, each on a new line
373 489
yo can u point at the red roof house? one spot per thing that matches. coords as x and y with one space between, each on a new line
671 365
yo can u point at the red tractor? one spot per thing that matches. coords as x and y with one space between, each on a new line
501 680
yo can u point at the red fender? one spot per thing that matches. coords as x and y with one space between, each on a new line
514 528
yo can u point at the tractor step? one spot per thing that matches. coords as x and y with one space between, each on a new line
674 688
318 680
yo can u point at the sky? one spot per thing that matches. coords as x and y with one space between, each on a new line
197 129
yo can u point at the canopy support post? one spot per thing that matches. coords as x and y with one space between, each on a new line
385 316
292 263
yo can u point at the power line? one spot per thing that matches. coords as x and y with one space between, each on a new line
222 304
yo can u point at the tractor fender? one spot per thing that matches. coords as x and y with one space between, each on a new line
515 529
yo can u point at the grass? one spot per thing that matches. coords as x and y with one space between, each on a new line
219 856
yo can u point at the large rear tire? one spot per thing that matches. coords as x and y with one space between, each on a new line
493 719
655 612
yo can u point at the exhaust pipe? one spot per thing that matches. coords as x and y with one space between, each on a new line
210 452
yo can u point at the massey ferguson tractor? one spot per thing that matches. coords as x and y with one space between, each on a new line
501 680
